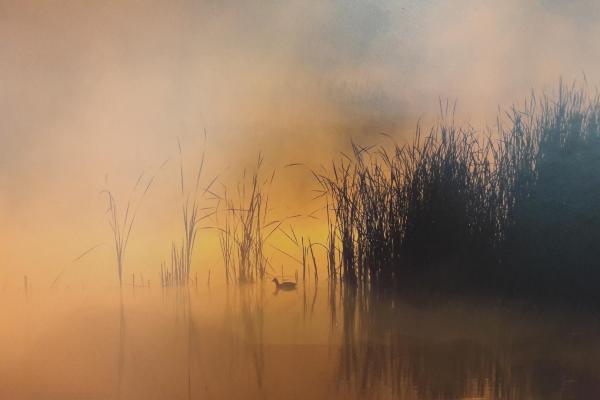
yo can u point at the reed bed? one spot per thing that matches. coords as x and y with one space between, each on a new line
517 209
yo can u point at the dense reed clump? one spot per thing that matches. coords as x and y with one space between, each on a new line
551 166
410 209
514 210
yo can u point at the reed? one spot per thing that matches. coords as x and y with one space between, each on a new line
121 222
551 188
177 273
332 273
510 210
246 228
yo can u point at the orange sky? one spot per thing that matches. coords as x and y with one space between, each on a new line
101 89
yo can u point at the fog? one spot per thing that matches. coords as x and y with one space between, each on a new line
92 93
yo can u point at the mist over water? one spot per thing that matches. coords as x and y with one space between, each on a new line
102 94
323 343
104 89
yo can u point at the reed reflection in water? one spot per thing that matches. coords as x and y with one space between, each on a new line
255 343
416 349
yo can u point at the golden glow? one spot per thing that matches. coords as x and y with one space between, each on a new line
104 88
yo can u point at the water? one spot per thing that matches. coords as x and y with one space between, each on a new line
251 342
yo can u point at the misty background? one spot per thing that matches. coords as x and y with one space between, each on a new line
93 93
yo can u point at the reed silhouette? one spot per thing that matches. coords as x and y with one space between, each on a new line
177 273
393 348
516 211
121 222
246 227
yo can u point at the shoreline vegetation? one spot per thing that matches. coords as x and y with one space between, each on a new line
513 213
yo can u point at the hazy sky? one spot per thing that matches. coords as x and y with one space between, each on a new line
90 89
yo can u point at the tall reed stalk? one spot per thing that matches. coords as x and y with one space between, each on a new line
246 228
177 273
121 222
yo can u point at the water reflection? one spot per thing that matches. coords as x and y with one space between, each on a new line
122 337
391 348
321 343
251 306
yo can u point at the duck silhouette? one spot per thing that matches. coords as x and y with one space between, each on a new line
287 285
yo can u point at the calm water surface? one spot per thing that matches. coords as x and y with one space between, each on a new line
251 342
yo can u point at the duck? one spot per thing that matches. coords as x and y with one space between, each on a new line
284 285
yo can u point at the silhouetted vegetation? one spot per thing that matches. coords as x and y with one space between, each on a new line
121 222
177 273
246 228
516 211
